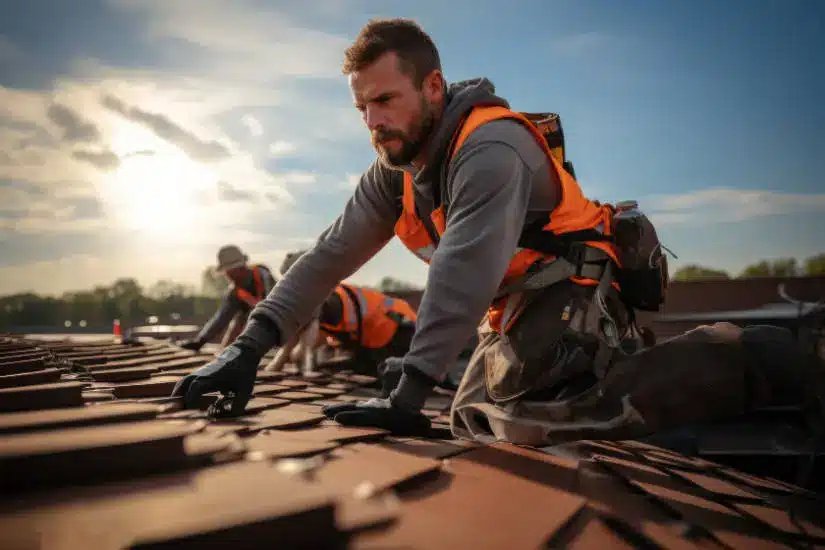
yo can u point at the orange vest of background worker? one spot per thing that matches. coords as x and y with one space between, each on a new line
575 213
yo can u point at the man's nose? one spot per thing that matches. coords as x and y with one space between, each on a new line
374 118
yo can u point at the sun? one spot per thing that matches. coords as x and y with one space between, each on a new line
158 191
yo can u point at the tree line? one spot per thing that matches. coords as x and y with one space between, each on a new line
781 267
170 302
164 302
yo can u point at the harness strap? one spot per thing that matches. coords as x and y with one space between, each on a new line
606 331
597 322
591 264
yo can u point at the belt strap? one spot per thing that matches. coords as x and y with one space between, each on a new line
606 330
591 265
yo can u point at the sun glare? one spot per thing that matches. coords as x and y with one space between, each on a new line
158 192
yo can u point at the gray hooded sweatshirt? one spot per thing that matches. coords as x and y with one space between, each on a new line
498 180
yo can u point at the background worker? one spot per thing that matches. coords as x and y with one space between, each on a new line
369 324
249 285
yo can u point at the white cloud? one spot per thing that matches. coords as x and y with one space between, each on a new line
236 59
282 148
33 152
241 39
253 125
296 178
70 208
23 106
725 204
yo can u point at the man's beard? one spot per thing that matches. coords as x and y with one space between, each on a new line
412 142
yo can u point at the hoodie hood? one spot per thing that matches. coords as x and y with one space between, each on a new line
462 96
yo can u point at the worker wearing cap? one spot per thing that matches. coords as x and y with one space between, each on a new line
249 285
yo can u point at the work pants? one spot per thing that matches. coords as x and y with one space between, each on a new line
710 373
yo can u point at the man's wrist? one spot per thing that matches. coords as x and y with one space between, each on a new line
260 335
412 390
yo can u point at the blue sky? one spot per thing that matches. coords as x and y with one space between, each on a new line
136 137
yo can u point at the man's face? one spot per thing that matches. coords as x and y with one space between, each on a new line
236 274
399 116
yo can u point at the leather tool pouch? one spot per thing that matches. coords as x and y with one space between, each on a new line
531 343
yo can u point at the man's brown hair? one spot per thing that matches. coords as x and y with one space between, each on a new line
416 51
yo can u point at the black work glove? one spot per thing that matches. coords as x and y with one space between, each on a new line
192 345
398 410
390 376
379 413
232 374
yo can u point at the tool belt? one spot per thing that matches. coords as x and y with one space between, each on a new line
555 329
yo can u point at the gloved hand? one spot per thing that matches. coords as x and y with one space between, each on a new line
192 345
232 373
390 376
379 413
399 408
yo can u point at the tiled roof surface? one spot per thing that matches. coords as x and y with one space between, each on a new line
94 454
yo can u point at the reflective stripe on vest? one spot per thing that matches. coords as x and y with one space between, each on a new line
573 213
247 297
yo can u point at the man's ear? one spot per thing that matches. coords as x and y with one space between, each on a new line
433 87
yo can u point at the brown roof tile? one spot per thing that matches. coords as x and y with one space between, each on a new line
136 469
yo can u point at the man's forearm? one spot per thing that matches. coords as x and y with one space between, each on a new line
361 231
219 321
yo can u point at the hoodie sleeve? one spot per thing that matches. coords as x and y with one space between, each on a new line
364 227
220 320
490 185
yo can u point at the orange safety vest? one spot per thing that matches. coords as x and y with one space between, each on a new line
377 326
573 213
246 296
